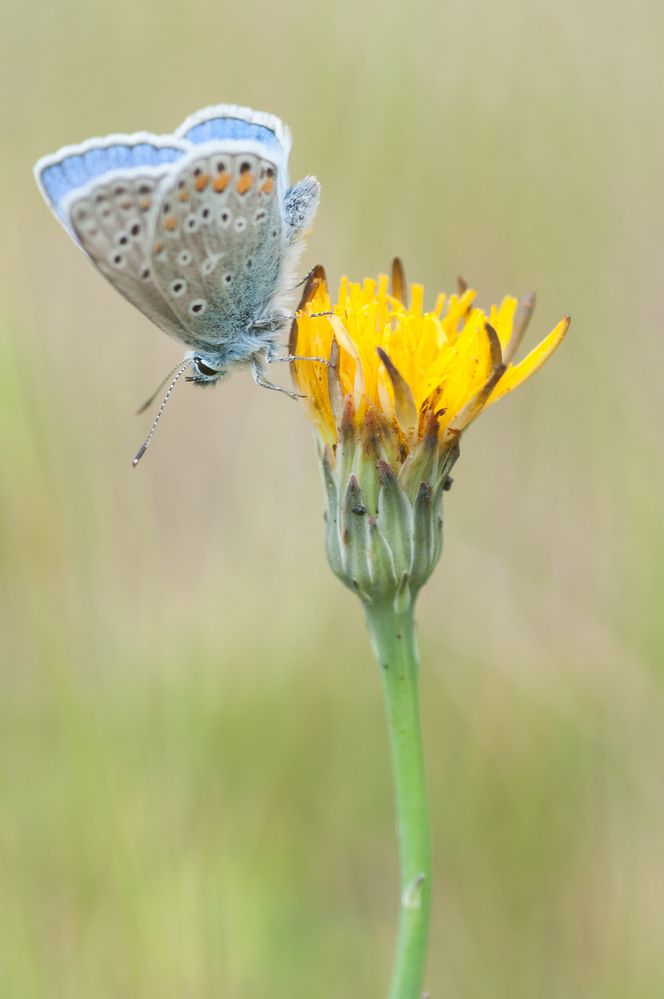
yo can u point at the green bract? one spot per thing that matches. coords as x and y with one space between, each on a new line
384 523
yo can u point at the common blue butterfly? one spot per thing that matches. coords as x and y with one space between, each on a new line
199 230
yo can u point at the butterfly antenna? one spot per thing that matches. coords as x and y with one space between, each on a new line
179 371
148 402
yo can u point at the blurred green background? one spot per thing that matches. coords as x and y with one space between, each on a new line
195 794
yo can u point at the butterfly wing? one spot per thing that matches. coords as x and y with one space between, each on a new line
298 204
74 167
242 257
104 193
219 241
229 121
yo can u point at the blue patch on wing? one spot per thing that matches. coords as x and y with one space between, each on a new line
78 169
231 128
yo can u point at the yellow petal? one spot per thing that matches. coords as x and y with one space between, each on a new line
518 373
474 406
346 343
502 319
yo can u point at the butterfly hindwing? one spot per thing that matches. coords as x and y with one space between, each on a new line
229 121
218 240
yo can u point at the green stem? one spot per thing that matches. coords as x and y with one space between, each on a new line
395 646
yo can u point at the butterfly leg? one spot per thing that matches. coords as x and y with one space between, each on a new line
271 359
278 321
260 379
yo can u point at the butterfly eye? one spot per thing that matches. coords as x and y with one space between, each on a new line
205 369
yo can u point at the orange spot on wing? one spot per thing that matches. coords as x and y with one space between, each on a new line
267 186
170 223
144 204
244 182
202 182
183 195
158 247
221 181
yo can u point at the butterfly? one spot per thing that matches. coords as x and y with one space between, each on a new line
200 230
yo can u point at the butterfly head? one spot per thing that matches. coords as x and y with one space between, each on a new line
206 370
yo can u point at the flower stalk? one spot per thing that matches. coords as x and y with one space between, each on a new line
394 642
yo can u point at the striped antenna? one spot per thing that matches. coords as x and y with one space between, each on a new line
179 371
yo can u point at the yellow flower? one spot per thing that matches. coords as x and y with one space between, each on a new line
399 387
406 363
390 389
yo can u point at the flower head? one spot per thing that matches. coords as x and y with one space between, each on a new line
400 386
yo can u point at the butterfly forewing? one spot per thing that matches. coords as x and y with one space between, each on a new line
218 242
